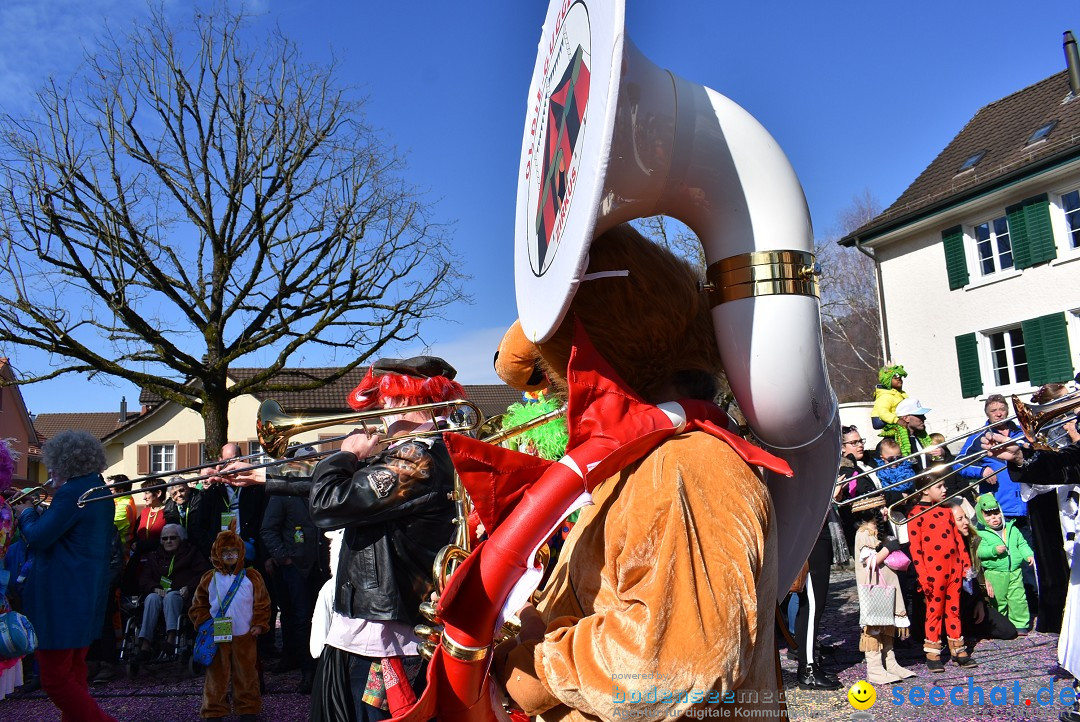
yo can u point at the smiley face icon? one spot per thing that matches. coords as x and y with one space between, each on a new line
862 695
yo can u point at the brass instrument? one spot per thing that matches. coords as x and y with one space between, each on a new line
1036 419
1030 418
458 550
35 495
274 428
899 518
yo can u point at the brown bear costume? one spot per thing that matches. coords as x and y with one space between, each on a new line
663 598
235 661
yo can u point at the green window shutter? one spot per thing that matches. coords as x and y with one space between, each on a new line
1018 237
1046 342
967 360
1040 234
955 262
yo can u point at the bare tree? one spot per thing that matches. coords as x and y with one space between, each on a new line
851 323
675 236
191 197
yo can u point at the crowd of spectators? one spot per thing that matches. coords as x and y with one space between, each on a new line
998 570
972 552
155 552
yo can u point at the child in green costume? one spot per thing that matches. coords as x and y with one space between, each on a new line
1002 550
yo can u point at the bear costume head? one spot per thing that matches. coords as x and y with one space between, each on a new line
227 554
649 319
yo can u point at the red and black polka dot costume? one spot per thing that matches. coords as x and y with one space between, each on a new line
941 560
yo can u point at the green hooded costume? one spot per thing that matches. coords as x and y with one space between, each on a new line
1003 569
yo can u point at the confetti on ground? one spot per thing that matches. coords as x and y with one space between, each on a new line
1024 670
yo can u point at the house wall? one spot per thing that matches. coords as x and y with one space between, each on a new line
924 316
14 428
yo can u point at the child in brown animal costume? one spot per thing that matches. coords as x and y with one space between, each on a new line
663 598
249 610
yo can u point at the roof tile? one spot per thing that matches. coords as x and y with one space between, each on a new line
1001 129
98 423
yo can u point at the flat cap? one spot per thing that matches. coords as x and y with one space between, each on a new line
422 367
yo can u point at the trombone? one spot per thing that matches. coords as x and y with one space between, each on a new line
1031 419
274 428
35 495
1034 420
898 517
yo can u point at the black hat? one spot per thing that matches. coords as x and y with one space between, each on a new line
422 367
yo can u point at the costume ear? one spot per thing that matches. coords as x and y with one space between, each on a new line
517 361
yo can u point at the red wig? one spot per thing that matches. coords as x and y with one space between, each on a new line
373 391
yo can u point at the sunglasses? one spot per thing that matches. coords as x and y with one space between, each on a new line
891 458
170 538
991 511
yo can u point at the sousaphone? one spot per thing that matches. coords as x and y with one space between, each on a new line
610 137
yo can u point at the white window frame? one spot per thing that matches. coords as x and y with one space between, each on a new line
975 264
1059 222
987 359
254 447
162 458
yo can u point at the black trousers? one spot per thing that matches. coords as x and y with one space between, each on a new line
812 599
1051 566
340 680
994 625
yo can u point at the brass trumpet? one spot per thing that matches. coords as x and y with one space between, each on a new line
274 429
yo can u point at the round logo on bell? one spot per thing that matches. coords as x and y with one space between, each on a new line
862 695
555 124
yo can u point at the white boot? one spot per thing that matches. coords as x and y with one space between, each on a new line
875 669
891 665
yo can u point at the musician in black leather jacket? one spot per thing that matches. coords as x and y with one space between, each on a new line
396 510
393 501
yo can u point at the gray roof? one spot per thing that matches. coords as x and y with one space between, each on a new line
1001 131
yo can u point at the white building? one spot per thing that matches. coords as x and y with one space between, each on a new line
979 259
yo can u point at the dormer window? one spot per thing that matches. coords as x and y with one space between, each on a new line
1041 133
971 162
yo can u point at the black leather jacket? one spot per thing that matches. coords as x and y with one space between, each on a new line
397 513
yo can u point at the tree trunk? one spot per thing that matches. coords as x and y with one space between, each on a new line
215 415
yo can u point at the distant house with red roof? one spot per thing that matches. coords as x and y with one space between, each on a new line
165 436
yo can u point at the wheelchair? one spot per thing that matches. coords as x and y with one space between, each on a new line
131 615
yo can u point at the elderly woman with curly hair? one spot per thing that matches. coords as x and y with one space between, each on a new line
64 596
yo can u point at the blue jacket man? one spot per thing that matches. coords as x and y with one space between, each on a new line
1001 485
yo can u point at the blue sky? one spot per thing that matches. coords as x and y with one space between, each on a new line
859 95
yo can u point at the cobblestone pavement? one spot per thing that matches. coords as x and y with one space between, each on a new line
1017 669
